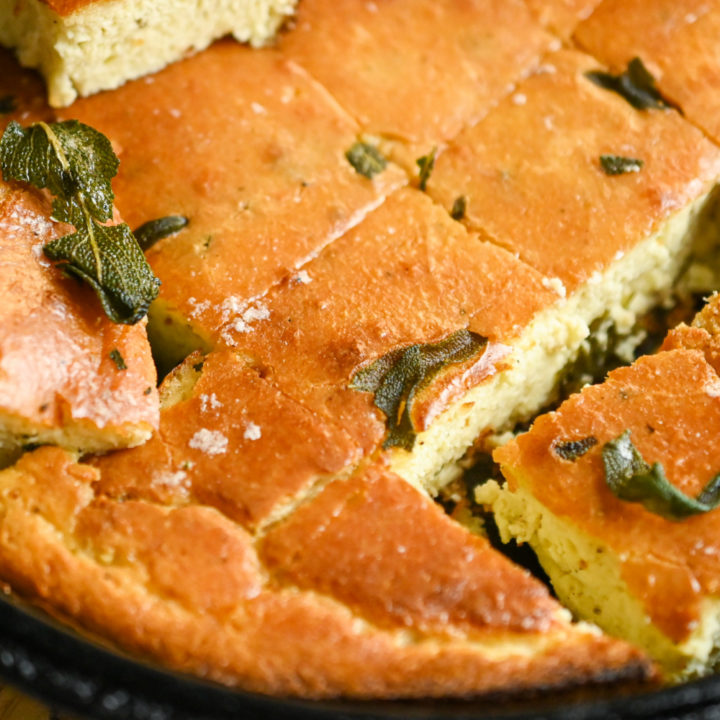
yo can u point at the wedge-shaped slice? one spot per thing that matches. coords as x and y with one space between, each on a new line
68 376
675 40
409 276
231 440
197 597
648 575
264 183
416 71
82 46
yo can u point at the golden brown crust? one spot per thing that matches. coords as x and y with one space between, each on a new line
58 382
561 16
68 7
540 151
236 444
407 274
677 43
671 404
393 556
123 568
266 181
443 64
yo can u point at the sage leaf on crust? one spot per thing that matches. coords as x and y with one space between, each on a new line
459 207
425 164
636 84
76 164
619 165
396 378
366 159
573 449
155 230
630 478
119 360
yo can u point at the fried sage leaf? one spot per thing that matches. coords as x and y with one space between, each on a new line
425 164
396 378
619 165
119 361
630 478
636 84
573 449
154 230
366 159
459 207
76 164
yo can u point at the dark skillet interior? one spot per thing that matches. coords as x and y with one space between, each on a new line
58 666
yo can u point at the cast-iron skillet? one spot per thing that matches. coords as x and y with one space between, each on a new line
43 658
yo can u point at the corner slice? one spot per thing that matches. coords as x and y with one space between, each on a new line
68 376
651 580
83 46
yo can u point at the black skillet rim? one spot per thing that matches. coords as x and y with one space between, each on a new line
58 666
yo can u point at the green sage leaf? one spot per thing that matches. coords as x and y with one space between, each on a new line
154 230
459 207
630 478
119 360
425 164
109 259
636 84
366 159
76 164
619 165
396 378
573 449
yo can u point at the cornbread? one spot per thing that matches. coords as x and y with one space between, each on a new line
59 383
343 324
83 46
677 43
639 575
123 567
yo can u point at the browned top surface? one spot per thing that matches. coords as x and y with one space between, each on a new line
55 340
676 39
407 274
123 567
265 183
561 16
381 547
26 90
671 404
417 70
237 444
532 176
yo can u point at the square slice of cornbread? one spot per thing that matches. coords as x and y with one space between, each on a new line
677 43
230 440
83 46
640 574
416 70
60 376
188 587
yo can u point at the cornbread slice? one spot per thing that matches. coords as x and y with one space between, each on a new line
408 275
230 440
82 46
416 70
677 43
188 587
59 382
648 579
264 184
